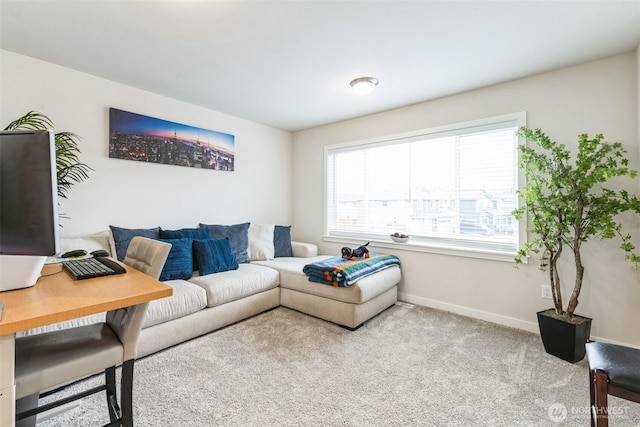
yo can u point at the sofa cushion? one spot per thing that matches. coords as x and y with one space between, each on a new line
292 277
188 233
237 234
282 241
229 286
72 323
187 298
122 237
261 246
214 256
179 263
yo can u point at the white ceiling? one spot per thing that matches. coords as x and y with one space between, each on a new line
288 64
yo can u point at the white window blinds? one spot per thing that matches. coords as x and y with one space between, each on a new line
452 188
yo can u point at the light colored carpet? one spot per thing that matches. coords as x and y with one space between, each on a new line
406 367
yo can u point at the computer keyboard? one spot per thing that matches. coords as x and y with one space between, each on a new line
87 268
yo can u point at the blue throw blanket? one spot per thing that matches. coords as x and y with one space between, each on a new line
337 271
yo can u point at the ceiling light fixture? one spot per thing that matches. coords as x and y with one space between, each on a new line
364 85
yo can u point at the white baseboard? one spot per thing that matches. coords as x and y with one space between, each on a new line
487 316
470 312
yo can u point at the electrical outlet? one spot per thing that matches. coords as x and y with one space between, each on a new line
404 304
546 292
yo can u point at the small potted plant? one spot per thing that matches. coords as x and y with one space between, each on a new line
567 205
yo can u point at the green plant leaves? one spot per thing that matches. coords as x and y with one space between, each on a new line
68 166
566 202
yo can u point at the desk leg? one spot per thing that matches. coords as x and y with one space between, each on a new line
7 380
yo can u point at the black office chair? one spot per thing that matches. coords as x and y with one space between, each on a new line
57 358
613 370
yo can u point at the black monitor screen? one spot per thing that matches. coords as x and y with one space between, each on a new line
28 193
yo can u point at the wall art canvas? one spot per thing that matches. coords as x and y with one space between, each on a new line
147 139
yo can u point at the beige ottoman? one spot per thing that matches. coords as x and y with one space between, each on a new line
349 307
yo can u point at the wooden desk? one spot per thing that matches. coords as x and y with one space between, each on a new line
56 298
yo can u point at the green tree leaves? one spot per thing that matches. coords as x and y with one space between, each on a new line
567 204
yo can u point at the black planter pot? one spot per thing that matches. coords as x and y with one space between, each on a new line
563 339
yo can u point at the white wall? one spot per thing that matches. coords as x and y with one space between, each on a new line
140 194
598 97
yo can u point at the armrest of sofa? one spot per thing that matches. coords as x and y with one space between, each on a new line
304 250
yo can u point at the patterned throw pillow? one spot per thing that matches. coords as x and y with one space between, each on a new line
122 237
282 241
187 233
238 236
179 264
214 256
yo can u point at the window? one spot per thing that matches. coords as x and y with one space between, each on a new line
451 188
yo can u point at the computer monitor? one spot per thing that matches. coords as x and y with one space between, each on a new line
29 229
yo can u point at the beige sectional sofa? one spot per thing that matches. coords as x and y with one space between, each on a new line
349 307
206 303
203 304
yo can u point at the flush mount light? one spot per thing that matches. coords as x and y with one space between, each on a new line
363 85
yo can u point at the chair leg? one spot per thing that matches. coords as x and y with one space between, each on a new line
23 404
126 393
599 405
112 398
592 397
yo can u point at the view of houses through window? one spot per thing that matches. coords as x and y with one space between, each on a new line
452 188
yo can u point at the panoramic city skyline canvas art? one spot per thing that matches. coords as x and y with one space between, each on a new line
147 139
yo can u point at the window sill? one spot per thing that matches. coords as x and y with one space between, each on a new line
421 247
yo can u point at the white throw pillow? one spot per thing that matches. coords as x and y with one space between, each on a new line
89 243
261 242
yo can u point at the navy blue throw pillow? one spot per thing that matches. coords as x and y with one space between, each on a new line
122 237
190 233
179 264
187 233
238 236
214 256
282 241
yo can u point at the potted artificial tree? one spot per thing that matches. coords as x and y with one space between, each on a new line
567 205
69 169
